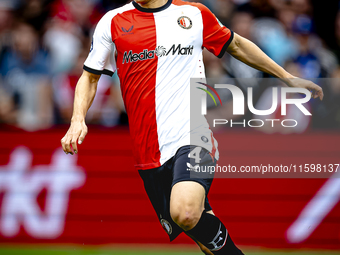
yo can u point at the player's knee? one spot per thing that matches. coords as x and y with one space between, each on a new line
185 216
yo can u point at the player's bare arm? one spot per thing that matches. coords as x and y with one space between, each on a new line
85 92
250 54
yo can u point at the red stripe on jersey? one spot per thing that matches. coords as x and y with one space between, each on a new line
215 37
134 34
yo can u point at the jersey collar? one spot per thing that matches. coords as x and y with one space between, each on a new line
149 10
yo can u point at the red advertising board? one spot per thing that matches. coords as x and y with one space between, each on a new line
97 196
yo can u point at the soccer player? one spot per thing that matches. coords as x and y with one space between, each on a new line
156 47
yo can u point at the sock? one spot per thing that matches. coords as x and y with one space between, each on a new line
211 232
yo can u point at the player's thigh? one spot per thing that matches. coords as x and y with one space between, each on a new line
187 199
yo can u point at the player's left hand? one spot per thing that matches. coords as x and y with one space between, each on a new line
306 84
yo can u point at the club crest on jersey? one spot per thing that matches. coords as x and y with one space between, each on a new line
184 22
166 226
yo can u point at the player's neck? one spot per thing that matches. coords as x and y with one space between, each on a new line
151 4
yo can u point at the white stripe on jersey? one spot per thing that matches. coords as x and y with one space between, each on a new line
172 93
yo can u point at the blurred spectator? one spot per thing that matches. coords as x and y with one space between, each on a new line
337 33
25 87
302 7
259 8
335 99
109 4
81 12
307 60
326 113
271 37
295 33
69 30
241 24
34 12
314 60
6 19
223 9
63 39
287 16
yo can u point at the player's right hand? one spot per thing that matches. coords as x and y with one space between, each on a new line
316 90
76 133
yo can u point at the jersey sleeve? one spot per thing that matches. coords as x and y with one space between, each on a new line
216 37
101 59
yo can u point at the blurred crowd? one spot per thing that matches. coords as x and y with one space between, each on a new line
44 43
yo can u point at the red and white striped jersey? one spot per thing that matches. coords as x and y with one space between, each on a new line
156 52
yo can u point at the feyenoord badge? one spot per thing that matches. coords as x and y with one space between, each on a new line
167 226
184 22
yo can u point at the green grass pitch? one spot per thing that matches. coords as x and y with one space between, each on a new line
143 250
